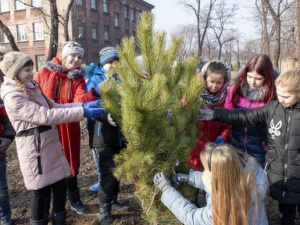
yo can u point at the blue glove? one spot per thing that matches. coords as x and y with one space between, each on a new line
180 178
93 104
92 109
220 140
89 70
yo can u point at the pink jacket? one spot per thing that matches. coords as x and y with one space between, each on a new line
25 114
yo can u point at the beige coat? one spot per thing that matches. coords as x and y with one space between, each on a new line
25 114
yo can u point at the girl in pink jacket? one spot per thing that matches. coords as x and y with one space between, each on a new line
34 116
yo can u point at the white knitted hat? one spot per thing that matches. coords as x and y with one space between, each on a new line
13 62
71 47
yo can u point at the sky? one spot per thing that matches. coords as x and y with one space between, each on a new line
169 14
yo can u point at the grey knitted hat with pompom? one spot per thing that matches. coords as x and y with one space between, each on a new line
12 62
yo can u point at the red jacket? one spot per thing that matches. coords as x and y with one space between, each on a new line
209 132
52 80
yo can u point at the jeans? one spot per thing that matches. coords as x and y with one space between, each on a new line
109 184
96 159
288 213
39 196
5 210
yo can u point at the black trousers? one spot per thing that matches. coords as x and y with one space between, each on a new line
40 196
109 185
288 213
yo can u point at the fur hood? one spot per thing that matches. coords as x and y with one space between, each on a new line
55 65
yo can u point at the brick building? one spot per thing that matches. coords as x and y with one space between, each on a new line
93 23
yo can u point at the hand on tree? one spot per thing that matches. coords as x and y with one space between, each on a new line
180 178
206 114
161 180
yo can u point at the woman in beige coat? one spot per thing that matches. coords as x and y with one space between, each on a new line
34 116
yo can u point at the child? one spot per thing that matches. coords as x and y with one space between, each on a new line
105 140
254 87
217 78
34 116
7 135
227 172
281 117
63 81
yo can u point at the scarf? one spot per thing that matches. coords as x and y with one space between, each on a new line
210 99
257 94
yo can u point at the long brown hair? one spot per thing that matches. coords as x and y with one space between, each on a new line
262 65
231 185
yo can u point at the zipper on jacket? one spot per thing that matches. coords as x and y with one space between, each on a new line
286 150
37 143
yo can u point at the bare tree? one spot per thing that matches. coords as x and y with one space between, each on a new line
223 18
203 18
9 36
189 41
66 19
276 11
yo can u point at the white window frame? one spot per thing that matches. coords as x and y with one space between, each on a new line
79 2
19 5
38 31
94 4
21 32
117 19
36 3
4 7
94 31
105 6
81 30
126 11
133 12
106 33
40 63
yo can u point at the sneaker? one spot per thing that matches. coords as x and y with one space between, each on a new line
78 207
6 221
95 187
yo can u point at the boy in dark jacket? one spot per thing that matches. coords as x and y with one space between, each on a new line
105 139
281 118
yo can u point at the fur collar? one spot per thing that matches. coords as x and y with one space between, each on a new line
257 94
72 74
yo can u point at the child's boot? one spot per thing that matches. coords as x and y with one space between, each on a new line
105 215
39 222
59 218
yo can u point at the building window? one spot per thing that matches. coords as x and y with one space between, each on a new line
94 31
105 6
106 33
37 3
126 32
133 33
138 16
116 19
126 12
96 55
40 62
4 6
22 32
79 2
118 41
93 4
19 4
38 31
133 14
80 27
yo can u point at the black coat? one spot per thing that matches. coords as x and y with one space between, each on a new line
283 150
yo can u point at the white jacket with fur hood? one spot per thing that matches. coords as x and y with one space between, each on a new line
42 159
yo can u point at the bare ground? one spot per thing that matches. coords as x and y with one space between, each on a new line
20 199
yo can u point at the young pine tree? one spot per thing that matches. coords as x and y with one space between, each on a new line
140 104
